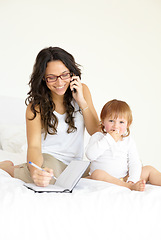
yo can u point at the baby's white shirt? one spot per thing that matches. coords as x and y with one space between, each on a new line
116 158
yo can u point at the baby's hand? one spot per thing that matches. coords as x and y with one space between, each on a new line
115 134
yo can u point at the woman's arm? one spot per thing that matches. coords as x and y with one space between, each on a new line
84 100
34 154
91 119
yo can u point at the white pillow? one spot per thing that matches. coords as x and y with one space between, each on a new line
16 158
13 138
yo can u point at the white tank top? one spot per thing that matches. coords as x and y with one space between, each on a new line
66 146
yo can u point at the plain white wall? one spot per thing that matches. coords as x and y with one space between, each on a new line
117 43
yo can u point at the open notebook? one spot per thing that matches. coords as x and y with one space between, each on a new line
67 179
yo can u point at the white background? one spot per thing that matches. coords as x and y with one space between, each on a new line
118 44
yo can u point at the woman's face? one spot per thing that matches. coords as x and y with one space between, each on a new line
57 85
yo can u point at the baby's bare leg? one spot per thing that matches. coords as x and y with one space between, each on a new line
152 175
104 176
7 166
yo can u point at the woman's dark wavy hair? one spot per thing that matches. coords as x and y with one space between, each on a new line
39 95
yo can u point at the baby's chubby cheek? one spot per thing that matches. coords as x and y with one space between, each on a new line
123 130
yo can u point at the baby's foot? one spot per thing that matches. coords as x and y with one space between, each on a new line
138 186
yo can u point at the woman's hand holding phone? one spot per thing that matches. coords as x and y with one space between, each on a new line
77 90
73 82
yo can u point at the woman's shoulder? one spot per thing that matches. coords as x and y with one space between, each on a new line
29 111
85 88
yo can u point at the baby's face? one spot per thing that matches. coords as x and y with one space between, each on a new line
115 124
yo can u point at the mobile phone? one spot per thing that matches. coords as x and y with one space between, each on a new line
74 90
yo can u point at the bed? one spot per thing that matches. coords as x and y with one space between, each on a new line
94 210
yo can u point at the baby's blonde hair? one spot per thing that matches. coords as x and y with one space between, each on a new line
116 108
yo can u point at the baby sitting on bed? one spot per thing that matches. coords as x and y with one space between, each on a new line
113 154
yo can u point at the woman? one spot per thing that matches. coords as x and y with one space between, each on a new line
59 107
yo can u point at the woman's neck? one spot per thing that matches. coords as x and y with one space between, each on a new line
59 103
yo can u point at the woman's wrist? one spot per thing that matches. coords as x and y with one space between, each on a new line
83 106
84 109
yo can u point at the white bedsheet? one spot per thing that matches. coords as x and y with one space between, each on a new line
95 210
16 158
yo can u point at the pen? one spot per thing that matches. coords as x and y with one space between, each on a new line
34 165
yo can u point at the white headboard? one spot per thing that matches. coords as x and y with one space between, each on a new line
12 110
12 129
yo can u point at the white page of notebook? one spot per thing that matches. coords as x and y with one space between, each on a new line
67 179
